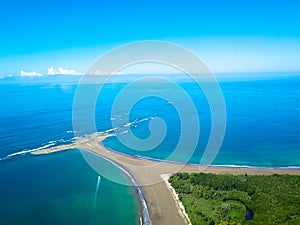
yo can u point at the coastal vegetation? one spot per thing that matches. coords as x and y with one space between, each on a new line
239 199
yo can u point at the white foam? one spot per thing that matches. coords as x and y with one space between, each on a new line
96 192
144 119
44 146
232 166
291 167
110 130
129 124
29 151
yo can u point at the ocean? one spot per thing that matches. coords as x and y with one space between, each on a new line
262 130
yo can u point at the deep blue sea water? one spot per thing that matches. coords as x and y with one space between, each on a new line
263 129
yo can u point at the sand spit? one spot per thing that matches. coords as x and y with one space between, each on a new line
150 175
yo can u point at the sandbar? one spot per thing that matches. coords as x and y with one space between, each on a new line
149 175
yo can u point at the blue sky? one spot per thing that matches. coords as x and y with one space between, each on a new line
228 35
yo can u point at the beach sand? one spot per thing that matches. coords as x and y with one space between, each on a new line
162 204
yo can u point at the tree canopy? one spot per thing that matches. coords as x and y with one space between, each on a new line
239 199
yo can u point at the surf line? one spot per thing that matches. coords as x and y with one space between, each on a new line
145 211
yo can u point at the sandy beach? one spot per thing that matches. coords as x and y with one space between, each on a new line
149 175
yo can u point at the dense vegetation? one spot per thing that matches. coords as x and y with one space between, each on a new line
225 199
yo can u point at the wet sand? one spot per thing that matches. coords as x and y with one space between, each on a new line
162 205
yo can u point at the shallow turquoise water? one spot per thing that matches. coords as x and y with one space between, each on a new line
60 189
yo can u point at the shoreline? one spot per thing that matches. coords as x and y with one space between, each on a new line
147 158
145 175
180 205
144 213
158 203
71 145
46 151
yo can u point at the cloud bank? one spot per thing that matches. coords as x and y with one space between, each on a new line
51 71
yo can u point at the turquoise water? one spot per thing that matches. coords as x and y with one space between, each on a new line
263 129
60 189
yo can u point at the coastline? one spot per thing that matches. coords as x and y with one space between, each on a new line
146 158
144 212
181 208
49 149
157 201
162 203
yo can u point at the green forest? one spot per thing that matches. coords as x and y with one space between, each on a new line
239 199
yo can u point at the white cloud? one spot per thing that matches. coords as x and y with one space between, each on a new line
29 74
62 71
52 71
